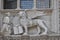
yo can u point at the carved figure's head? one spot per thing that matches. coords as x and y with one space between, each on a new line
22 14
8 13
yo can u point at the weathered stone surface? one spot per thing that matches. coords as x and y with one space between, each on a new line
1 38
26 37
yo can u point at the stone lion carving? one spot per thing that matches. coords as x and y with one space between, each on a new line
28 22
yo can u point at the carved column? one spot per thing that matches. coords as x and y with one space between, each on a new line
34 4
18 4
1 4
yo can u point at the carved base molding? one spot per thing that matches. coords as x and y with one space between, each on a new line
26 37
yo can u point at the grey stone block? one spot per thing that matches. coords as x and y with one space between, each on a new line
38 37
26 37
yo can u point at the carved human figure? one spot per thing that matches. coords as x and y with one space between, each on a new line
6 24
17 28
23 21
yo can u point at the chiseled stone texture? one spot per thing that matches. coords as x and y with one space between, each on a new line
38 37
26 37
1 38
54 38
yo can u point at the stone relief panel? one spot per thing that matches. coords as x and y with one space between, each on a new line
25 23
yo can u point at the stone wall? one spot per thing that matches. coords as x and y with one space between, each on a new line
30 38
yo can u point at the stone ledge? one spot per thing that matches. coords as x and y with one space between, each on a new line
26 37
